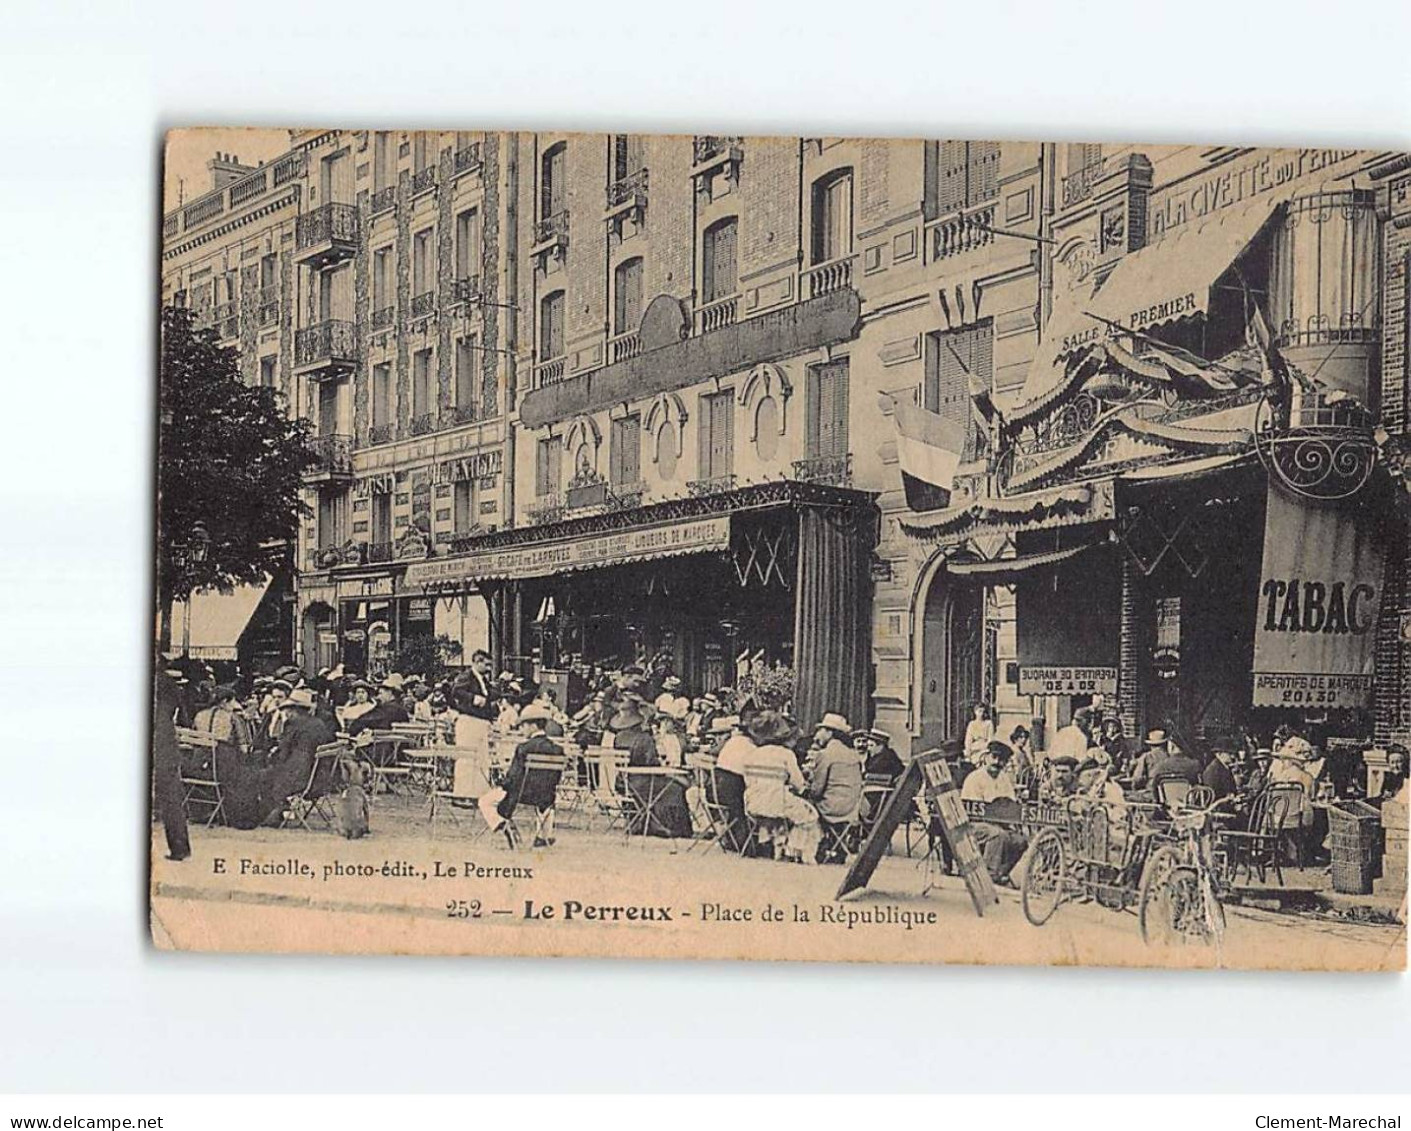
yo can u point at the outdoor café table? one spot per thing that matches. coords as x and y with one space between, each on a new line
656 787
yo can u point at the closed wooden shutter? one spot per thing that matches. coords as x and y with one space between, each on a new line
720 259
464 505
828 410
625 460
982 171
465 373
627 297
551 188
541 468
717 435
551 332
950 185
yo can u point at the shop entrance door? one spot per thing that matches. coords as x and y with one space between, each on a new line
952 652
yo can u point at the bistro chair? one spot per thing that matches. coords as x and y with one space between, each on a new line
301 806
1172 793
538 788
604 765
1296 802
1256 848
455 793
573 789
389 767
839 840
765 791
200 780
877 790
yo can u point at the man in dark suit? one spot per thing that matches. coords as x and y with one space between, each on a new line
166 765
390 709
303 733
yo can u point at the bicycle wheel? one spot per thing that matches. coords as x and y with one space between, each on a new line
1177 909
1041 890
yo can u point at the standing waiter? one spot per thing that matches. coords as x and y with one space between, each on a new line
473 698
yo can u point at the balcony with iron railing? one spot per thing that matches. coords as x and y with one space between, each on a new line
550 372
825 278
715 485
384 200
333 459
551 233
378 552
961 232
424 304
269 306
467 158
465 413
384 317
226 321
327 234
834 470
717 313
545 509
424 180
423 424
466 290
709 153
381 433
624 346
326 349
627 192
1077 186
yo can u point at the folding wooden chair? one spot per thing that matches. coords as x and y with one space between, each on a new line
573 791
449 796
389 767
200 778
539 789
604 765
299 807
839 840
765 789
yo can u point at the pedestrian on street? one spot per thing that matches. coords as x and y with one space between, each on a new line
166 766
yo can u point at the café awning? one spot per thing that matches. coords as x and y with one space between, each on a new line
1006 571
218 621
1167 281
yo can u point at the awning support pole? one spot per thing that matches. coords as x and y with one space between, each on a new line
1129 695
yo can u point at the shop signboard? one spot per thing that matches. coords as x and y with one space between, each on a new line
1053 680
545 559
1320 590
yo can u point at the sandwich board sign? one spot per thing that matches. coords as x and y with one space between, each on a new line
931 773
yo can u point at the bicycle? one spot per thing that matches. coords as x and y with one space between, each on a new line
1180 887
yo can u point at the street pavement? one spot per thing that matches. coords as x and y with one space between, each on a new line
403 891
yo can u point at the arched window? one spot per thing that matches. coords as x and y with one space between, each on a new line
668 450
766 425
553 195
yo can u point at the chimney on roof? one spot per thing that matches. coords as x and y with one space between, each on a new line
225 168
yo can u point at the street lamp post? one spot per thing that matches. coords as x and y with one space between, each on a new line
192 552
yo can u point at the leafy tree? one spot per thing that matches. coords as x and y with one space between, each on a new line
430 656
228 457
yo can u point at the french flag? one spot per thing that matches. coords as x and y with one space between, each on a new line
929 449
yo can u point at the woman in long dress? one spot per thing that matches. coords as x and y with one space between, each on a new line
763 799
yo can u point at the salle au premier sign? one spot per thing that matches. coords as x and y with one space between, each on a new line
1067 681
583 553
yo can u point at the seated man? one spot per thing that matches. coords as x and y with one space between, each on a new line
1000 847
1219 775
497 806
1060 779
834 784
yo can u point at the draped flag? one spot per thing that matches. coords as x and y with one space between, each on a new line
929 448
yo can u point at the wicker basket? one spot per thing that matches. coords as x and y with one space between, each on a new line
1353 828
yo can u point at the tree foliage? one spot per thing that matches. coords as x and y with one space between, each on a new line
430 656
228 456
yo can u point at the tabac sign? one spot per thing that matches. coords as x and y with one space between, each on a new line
562 556
1320 591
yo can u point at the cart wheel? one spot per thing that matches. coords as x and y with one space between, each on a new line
1042 888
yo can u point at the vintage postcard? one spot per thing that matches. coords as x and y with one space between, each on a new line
809 548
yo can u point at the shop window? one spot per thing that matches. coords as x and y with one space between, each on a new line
381 395
551 343
421 383
718 260
548 466
832 216
553 197
959 175
951 357
625 459
716 454
627 297
668 450
827 409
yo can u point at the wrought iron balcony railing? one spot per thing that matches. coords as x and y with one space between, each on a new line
716 485
545 509
384 199
381 433
333 457
329 343
466 290
631 189
466 413
552 230
834 470
421 425
269 306
227 320
383 317
467 158
379 552
329 223
423 304
708 148
424 180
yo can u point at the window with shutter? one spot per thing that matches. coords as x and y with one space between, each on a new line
551 327
464 505
467 244
626 155
951 358
382 518
828 410
625 460
627 297
720 439
982 172
718 268
421 383
465 374
551 186
961 174
381 395
548 466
